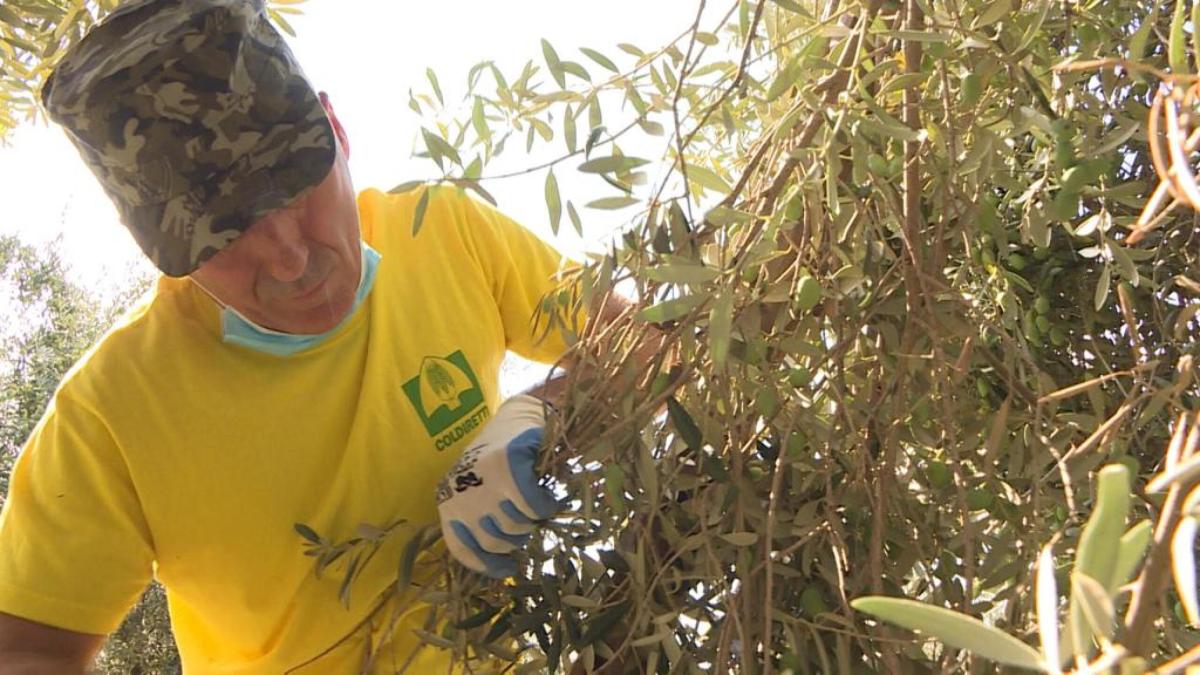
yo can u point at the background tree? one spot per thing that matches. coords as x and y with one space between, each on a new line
889 242
48 322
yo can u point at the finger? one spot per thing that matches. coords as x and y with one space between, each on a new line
539 502
465 547
456 543
510 520
490 542
491 526
514 514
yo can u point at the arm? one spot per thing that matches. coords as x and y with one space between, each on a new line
74 551
613 309
30 647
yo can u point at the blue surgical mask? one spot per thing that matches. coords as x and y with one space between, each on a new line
238 330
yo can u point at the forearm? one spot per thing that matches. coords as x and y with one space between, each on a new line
28 647
19 663
649 349
553 390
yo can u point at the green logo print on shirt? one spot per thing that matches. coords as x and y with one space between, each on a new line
443 393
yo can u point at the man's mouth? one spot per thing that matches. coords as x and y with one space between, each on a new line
311 290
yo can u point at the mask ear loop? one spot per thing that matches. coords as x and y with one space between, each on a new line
209 293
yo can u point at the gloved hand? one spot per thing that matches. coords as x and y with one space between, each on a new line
491 497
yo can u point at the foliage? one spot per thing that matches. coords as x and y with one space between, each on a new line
143 645
49 321
887 245
34 33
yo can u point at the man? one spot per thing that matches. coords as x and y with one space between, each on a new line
305 359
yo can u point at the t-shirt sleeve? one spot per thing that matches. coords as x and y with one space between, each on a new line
75 551
522 270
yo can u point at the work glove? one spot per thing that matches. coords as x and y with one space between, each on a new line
490 499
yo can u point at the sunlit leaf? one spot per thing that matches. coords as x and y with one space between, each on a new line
1177 42
720 322
1183 565
612 164
1047 606
553 63
955 629
669 310
433 82
708 179
599 58
682 273
1096 605
1132 548
1102 287
610 203
553 201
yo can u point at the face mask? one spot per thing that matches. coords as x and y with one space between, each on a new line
238 330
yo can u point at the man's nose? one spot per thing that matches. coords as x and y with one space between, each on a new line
283 248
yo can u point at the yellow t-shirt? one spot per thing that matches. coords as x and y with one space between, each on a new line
167 452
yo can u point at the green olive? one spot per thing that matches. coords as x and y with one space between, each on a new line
1032 331
812 601
1088 35
938 474
796 442
799 376
983 387
794 208
877 164
808 294
1016 262
1060 513
659 385
922 411
1043 324
756 351
1073 178
979 498
972 88
1065 204
1064 153
1042 304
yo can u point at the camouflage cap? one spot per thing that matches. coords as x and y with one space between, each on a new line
196 120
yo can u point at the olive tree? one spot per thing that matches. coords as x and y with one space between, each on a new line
912 370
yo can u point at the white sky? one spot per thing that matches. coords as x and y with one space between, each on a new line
367 58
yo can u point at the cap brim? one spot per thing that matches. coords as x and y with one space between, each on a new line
178 235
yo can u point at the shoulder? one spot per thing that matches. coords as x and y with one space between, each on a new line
433 207
147 331
429 218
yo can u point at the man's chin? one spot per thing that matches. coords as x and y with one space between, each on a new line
314 321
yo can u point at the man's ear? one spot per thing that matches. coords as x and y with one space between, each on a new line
338 129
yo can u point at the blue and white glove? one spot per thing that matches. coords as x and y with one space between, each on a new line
491 497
